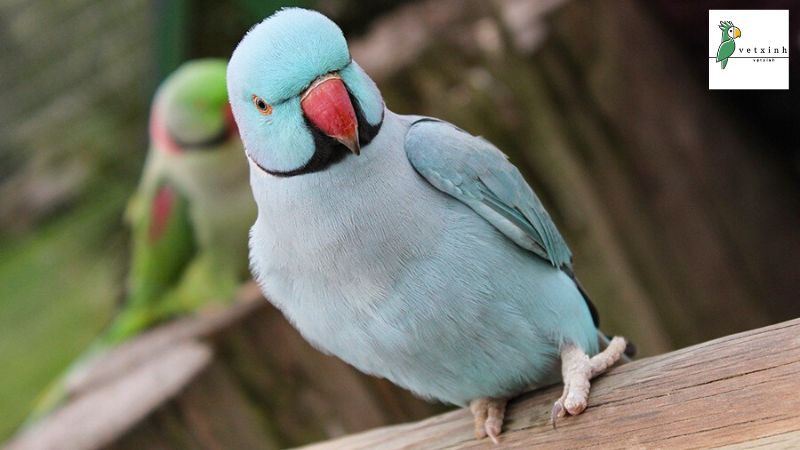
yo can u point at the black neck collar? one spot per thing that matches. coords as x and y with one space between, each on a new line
327 150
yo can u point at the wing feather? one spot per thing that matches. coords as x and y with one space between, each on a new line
725 49
475 172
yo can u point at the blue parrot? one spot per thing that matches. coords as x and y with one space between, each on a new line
402 244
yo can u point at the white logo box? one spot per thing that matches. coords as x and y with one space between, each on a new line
761 57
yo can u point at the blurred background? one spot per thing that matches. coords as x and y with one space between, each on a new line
682 205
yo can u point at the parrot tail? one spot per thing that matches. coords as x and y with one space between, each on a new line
724 62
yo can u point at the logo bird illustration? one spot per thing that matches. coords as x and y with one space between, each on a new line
726 48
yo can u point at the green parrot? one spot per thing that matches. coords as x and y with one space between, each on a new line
189 218
726 48
192 211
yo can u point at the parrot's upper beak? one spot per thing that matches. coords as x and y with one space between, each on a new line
326 104
737 32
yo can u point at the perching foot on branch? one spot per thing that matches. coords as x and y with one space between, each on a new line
488 413
576 370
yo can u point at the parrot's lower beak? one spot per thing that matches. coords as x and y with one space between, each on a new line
326 104
737 32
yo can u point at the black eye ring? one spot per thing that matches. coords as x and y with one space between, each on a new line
262 106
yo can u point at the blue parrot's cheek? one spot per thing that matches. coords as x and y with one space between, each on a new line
365 92
282 142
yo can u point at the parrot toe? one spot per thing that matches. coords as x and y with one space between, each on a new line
488 414
609 356
575 403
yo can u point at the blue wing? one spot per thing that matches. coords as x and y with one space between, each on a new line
478 174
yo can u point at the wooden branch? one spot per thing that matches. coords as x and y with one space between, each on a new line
737 391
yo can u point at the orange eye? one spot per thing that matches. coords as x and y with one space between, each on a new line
262 106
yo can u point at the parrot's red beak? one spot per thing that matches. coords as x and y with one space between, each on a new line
327 106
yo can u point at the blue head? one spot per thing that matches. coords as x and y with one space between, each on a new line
300 101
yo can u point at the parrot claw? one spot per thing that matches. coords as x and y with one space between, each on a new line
488 413
557 412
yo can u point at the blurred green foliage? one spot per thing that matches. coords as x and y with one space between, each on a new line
58 286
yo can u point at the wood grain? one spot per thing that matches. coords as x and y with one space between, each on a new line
739 391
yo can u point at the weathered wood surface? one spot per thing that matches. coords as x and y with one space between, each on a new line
739 391
240 377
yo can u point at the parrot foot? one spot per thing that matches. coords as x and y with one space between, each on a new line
488 413
577 369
